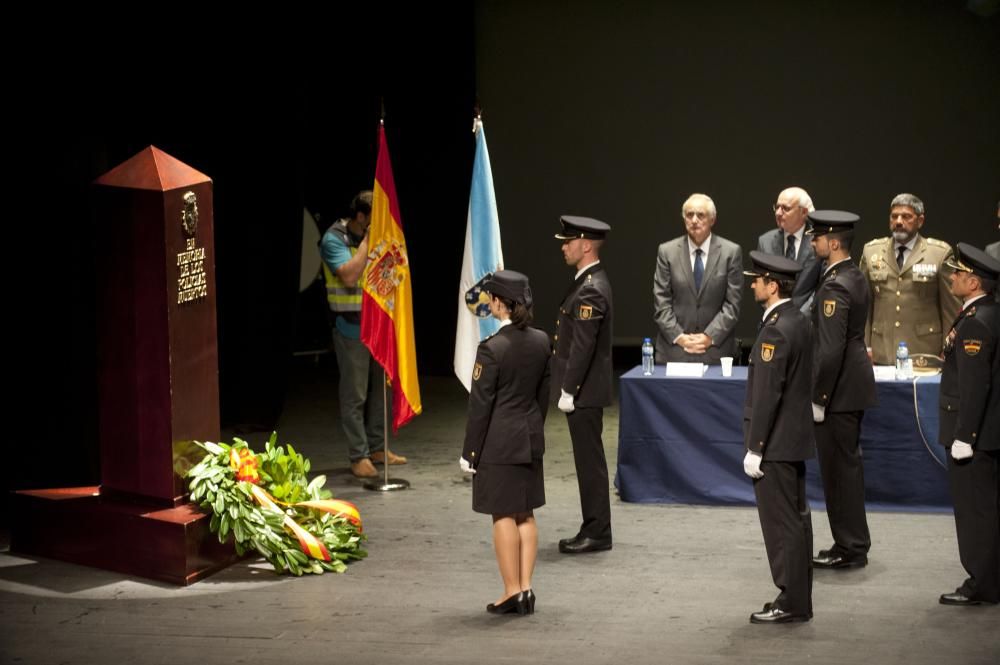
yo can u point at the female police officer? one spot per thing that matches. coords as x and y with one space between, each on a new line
504 436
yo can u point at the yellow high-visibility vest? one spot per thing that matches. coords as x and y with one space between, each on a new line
342 298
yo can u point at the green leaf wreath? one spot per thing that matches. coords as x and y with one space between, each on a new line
266 503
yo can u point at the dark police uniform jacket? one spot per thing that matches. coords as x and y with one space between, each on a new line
509 398
843 380
777 414
582 357
970 379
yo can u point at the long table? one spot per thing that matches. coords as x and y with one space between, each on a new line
680 440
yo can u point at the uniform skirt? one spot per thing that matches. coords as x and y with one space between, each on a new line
504 489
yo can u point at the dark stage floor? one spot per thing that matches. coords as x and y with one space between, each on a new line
678 586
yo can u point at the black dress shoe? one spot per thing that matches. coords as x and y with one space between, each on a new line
839 561
775 615
582 544
529 600
959 598
513 604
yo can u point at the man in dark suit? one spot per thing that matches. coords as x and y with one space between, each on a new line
778 436
697 288
791 211
843 387
970 424
582 376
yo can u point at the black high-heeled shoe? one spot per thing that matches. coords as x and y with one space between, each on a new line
529 600
513 604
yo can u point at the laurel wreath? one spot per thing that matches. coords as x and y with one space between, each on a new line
228 481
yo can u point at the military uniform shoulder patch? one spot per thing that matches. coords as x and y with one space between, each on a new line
829 308
477 371
586 311
773 319
766 352
972 346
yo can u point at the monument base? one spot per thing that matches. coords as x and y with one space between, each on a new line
78 525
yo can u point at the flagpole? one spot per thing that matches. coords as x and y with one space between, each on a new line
397 483
376 310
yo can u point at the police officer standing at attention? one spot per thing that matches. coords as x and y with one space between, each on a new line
582 376
778 436
505 435
970 424
843 387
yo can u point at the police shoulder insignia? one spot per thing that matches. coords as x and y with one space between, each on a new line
766 352
586 311
477 371
972 346
829 307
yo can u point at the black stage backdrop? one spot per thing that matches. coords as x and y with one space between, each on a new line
621 110
613 110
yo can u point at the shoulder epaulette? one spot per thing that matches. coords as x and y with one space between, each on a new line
937 243
877 241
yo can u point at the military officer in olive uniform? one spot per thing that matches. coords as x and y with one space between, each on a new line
778 436
970 425
582 378
843 387
911 300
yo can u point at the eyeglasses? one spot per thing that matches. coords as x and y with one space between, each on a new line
783 208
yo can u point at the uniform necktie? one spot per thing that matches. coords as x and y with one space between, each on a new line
900 259
699 269
790 250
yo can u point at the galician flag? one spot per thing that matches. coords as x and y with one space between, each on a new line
483 256
387 300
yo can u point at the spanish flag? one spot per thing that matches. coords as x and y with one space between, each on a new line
387 300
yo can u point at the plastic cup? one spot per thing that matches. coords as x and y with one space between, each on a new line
727 366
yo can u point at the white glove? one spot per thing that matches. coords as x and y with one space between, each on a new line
751 465
464 464
819 413
566 402
960 450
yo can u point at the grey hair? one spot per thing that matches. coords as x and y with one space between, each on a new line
910 201
711 203
805 201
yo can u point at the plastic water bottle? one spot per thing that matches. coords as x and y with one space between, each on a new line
647 357
904 366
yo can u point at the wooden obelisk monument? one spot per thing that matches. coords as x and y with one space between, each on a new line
158 383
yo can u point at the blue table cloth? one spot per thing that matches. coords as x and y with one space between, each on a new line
680 440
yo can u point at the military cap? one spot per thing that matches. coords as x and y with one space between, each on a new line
972 259
574 227
775 267
831 221
509 284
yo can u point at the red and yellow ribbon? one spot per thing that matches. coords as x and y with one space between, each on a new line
244 463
